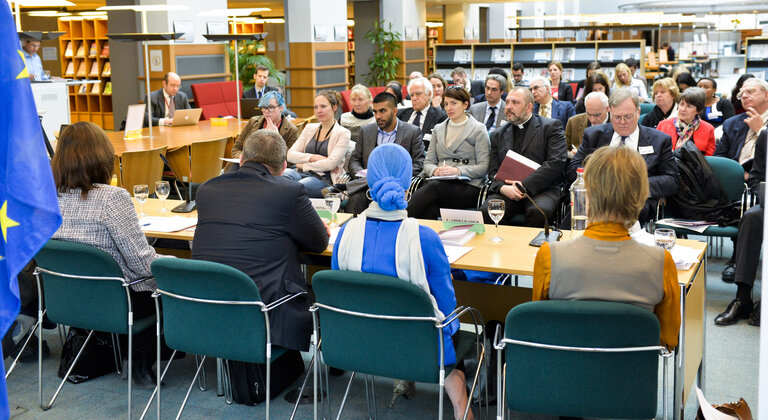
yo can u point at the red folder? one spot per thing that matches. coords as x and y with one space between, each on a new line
515 167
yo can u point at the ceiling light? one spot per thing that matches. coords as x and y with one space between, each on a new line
146 7
234 12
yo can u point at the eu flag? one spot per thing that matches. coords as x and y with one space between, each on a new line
29 209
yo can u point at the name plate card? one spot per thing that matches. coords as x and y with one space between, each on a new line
453 217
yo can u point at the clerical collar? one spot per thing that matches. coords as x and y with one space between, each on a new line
524 124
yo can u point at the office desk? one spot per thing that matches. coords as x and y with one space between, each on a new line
174 137
515 256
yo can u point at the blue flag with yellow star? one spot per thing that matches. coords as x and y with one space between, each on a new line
29 209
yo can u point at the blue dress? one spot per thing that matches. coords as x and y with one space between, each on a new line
379 258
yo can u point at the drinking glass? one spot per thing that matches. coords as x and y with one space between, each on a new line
496 212
162 190
141 193
333 201
665 238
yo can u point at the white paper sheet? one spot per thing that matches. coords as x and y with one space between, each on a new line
167 224
456 252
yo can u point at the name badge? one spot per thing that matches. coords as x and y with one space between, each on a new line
645 150
714 114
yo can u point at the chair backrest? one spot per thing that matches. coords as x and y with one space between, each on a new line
217 99
582 384
646 108
95 304
730 174
142 167
346 100
406 350
228 331
206 158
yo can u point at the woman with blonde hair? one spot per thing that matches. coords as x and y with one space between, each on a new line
666 94
622 78
361 113
560 90
605 263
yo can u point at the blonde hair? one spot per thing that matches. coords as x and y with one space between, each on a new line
360 90
669 84
617 82
617 185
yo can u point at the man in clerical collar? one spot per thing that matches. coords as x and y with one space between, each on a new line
598 112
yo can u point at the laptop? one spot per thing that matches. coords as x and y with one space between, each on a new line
186 116
249 108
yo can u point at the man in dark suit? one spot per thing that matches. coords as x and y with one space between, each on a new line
166 101
652 144
539 139
598 112
491 111
421 113
748 244
387 129
260 87
546 105
257 221
500 72
459 76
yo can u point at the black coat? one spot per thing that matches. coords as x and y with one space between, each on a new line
434 116
258 223
735 131
564 92
757 174
251 93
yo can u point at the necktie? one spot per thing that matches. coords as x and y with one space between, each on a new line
417 120
543 110
491 119
258 95
172 108
623 140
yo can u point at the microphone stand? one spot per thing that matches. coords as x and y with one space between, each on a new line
550 233
189 205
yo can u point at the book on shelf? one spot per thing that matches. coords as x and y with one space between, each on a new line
68 50
70 71
81 69
83 88
95 89
81 50
92 51
107 89
94 69
105 50
107 72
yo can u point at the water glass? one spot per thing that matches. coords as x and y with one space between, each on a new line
141 193
333 202
496 212
162 190
665 238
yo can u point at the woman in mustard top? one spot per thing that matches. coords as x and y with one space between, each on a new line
605 263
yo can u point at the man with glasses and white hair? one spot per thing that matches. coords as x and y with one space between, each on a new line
654 146
598 112
491 111
421 113
546 105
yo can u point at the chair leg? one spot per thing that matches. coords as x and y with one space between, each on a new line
155 391
189 390
310 370
62 334
29 337
45 407
219 377
480 362
346 393
202 381
115 351
228 396
130 363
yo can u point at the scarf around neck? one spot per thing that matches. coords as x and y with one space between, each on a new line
685 131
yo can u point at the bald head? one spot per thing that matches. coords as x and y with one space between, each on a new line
171 83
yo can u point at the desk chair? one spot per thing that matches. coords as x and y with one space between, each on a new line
200 161
141 167
580 359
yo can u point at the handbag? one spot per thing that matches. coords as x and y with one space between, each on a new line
739 410
97 359
248 380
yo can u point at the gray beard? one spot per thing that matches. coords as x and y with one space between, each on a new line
520 120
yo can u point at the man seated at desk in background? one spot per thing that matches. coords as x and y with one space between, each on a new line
166 101
260 87
489 111
421 113
653 145
539 139
32 60
257 221
598 112
546 105
518 73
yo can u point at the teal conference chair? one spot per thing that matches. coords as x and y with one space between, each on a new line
646 108
202 302
384 326
84 287
580 359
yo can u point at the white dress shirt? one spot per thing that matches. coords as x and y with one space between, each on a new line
488 114
631 140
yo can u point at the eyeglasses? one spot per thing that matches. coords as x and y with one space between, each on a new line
537 87
623 118
269 108
750 92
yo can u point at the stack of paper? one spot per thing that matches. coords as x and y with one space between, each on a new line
167 224
457 235
695 225
684 256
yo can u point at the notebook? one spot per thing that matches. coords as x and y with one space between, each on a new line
186 116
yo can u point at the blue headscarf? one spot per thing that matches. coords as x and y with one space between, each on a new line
389 176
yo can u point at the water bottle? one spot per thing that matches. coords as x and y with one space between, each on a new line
578 205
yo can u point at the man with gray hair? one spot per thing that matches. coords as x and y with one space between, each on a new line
740 131
490 112
652 144
421 113
257 221
596 104
546 105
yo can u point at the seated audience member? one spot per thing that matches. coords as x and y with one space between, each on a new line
165 101
597 113
597 82
415 75
518 80
396 89
439 85
546 105
653 145
558 87
260 79
748 246
383 240
665 95
591 69
266 222
622 78
272 105
473 87
98 214
737 107
498 71
605 264
421 113
361 113
540 140
387 129
687 125
320 151
684 80
490 110
740 131
459 147
716 110
633 65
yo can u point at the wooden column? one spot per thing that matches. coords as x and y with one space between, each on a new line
315 66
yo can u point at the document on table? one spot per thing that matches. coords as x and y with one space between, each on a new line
167 224
449 177
684 256
456 252
334 235
695 225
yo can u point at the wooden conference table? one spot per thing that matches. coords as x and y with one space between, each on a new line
514 256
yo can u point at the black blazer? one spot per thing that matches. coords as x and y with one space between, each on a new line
662 169
477 87
481 98
757 174
543 143
434 116
258 223
564 92
251 93
158 105
734 133
408 136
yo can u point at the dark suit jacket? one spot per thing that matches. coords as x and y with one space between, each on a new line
478 112
481 98
158 105
734 133
564 92
258 223
434 116
662 169
408 136
251 93
561 110
477 87
544 143
757 174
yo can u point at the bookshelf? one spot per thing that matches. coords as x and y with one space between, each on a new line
756 56
351 56
85 56
432 38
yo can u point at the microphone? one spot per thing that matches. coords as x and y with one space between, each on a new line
550 233
188 206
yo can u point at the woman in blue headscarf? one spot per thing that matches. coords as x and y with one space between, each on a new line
397 246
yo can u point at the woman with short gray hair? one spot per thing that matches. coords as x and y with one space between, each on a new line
687 125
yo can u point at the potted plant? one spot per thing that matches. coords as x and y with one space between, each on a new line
383 63
250 56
